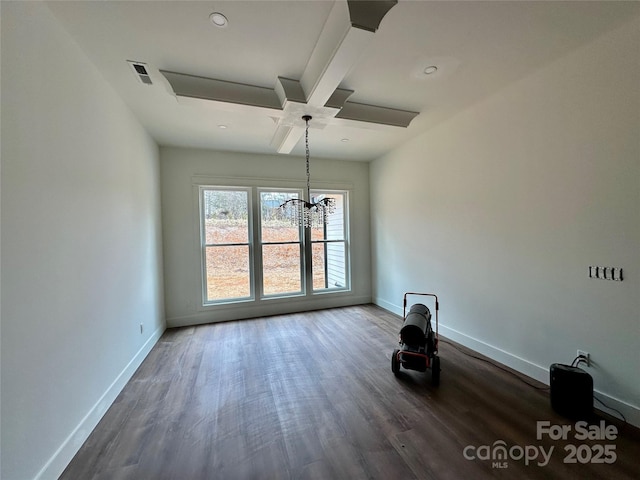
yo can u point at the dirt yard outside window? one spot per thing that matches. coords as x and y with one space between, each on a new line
228 266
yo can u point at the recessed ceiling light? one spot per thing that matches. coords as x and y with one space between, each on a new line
218 19
430 70
344 140
222 127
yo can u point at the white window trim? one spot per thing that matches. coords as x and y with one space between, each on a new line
258 251
201 182
347 245
203 245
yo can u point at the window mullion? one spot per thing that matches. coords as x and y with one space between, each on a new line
256 246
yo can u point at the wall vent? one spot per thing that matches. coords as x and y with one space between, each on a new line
140 69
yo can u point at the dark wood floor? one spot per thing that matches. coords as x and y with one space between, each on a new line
312 396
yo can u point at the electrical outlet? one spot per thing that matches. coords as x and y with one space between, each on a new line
605 273
585 356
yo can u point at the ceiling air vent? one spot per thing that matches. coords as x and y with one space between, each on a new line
140 69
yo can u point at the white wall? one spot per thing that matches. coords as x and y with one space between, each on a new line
81 251
182 168
501 210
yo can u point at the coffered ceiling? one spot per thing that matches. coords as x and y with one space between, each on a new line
477 48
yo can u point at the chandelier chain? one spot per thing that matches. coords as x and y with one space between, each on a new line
304 212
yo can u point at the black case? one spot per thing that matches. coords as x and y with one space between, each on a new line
571 391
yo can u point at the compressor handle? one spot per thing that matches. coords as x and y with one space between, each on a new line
423 294
404 308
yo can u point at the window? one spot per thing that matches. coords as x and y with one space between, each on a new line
245 257
329 246
226 233
281 244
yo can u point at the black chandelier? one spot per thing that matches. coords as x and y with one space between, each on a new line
304 212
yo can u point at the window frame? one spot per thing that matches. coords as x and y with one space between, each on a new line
204 245
344 241
255 244
261 243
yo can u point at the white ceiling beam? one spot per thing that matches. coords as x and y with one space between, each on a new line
219 90
290 126
338 48
286 138
361 112
338 98
289 90
367 14
348 30
292 97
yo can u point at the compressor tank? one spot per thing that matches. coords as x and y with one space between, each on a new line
416 326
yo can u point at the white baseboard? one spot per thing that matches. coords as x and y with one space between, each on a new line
631 412
532 370
224 313
61 458
388 306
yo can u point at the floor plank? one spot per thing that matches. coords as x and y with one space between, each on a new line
312 396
